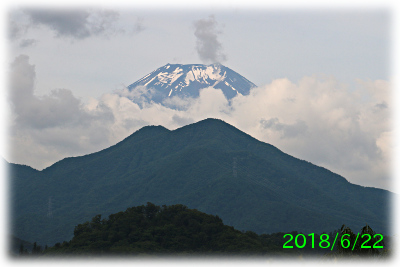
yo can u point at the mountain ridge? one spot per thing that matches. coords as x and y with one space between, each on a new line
209 165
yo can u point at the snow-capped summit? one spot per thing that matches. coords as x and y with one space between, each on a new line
187 80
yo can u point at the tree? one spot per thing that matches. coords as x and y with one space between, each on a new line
21 249
36 249
364 243
370 241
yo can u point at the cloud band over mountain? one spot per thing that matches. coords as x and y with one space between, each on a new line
317 119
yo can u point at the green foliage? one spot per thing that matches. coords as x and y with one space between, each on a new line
178 230
153 229
174 229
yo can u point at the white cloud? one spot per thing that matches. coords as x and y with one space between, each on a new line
329 124
317 119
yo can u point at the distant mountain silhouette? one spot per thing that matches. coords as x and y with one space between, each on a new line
210 166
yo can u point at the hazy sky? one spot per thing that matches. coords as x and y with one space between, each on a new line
323 77
92 52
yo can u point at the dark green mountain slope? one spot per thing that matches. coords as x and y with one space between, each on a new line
210 166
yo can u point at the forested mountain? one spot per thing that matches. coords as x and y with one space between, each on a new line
210 166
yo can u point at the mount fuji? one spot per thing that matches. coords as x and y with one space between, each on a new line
187 80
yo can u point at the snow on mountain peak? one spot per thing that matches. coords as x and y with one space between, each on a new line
187 80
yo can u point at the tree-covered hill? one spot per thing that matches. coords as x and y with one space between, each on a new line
153 229
166 230
178 230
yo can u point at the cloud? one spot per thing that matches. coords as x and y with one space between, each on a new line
322 121
287 130
208 47
317 119
50 127
139 94
27 42
74 23
138 26
59 107
16 30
